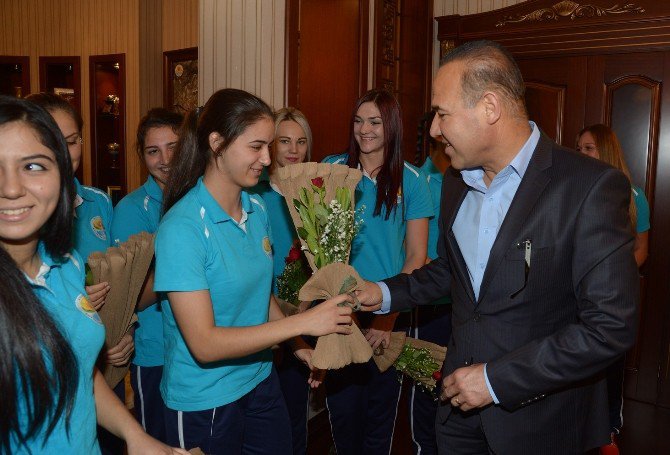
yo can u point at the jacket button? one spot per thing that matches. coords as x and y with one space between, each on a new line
477 316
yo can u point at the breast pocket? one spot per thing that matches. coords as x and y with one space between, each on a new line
524 266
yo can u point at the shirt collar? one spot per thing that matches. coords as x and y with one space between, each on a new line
45 267
213 209
519 164
431 170
81 195
153 190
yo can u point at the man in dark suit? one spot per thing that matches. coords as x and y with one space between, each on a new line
536 250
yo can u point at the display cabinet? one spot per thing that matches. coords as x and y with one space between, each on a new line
62 76
107 107
14 75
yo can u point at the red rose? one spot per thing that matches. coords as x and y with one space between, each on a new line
437 375
318 182
293 254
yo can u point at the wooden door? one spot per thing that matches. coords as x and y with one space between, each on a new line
326 63
628 92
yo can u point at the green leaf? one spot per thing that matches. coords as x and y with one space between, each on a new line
348 284
89 275
297 204
304 197
321 214
302 233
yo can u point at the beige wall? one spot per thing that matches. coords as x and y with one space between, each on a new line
242 46
92 27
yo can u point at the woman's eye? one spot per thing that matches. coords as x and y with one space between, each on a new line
302 142
283 141
35 167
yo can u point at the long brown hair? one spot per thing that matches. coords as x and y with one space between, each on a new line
609 151
389 178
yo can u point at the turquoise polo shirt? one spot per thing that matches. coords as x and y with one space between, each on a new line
434 177
59 286
642 209
199 246
92 220
137 212
281 224
378 250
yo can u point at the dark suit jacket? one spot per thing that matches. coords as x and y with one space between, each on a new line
549 331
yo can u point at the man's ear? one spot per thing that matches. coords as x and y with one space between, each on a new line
492 107
215 141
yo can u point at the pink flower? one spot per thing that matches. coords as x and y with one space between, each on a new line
317 182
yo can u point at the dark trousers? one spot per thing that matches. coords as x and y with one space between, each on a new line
149 407
256 423
615 374
110 444
430 323
462 434
293 376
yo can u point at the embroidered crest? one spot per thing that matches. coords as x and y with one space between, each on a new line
85 307
98 228
267 246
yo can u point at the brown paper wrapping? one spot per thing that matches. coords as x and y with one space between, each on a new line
125 268
392 352
336 350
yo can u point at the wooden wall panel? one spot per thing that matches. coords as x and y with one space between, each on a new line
151 56
77 27
180 24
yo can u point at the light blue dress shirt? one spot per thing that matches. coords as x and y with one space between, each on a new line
482 214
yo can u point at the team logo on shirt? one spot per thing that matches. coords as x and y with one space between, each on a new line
267 246
85 307
98 228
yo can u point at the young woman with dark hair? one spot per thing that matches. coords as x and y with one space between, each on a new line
157 136
214 261
393 238
92 223
50 334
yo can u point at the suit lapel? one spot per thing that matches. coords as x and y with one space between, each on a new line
455 194
532 185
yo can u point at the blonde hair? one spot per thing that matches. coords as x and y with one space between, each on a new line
609 151
294 115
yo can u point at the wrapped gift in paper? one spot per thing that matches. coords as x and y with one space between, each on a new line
125 269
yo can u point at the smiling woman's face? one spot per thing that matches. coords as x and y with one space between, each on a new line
290 144
29 184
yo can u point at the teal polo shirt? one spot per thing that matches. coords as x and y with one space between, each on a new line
59 286
642 209
140 211
434 177
92 220
199 246
281 224
378 250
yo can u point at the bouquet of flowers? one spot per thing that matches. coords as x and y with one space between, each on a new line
418 359
321 204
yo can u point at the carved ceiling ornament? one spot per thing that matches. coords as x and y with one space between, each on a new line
573 10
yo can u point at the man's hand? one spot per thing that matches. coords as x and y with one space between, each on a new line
370 297
378 338
466 388
316 376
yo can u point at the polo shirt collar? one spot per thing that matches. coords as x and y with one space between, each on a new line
432 170
212 208
81 195
153 190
